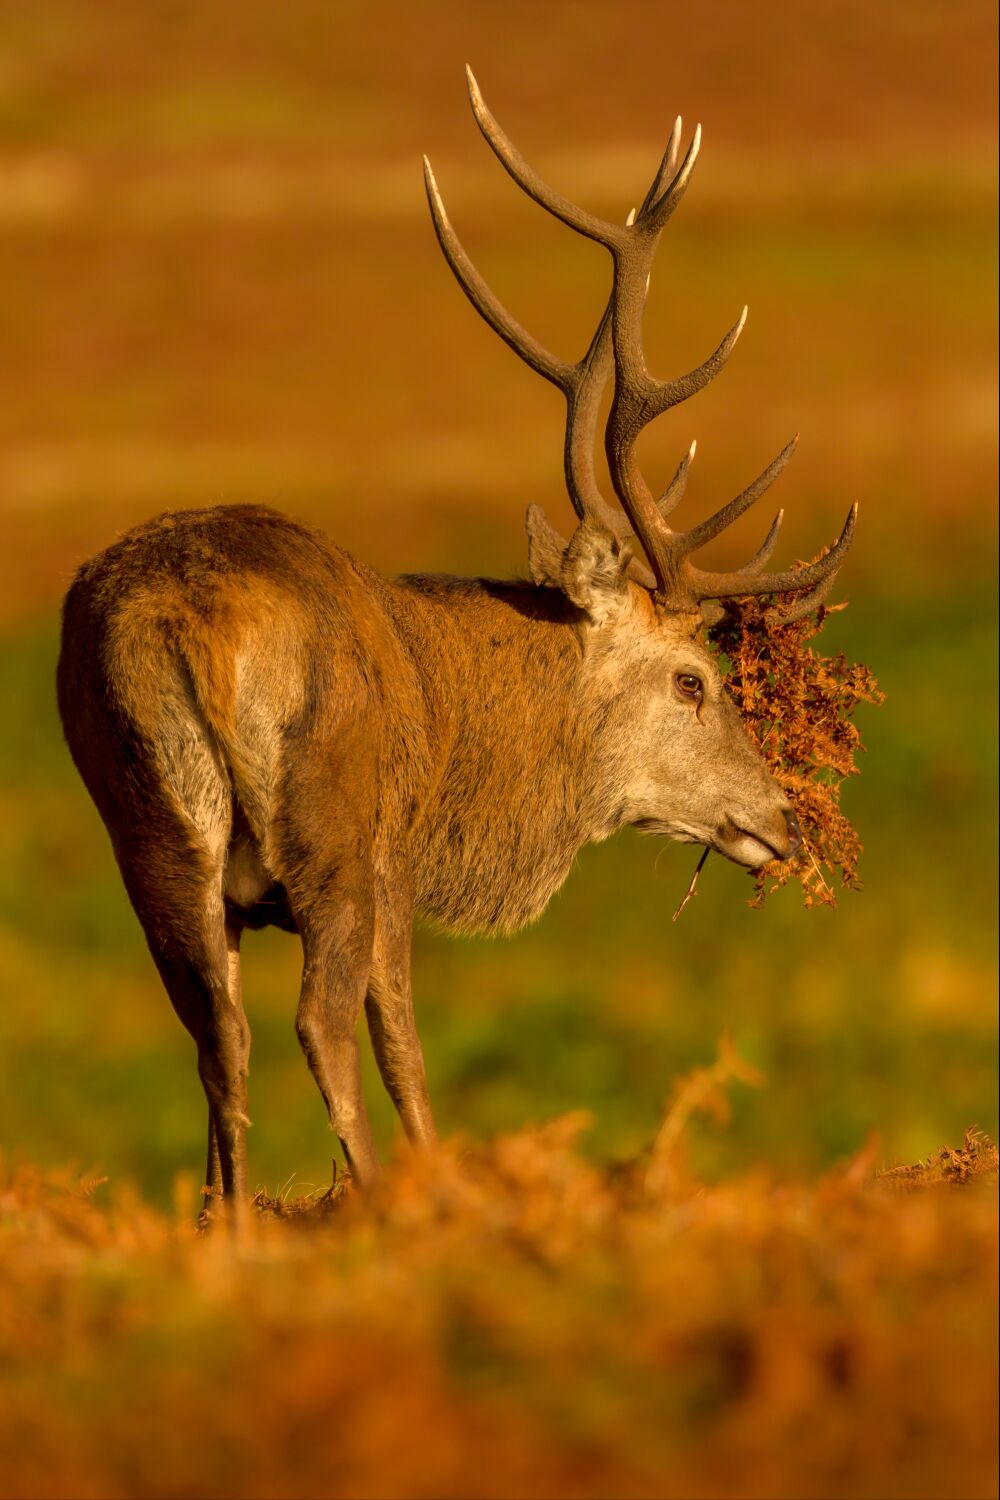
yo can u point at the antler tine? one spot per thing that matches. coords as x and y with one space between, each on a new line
660 210
605 233
483 300
805 605
668 393
766 547
667 168
793 580
674 492
705 531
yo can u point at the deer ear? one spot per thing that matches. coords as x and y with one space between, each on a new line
546 549
594 572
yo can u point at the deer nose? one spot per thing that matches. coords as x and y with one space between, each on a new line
794 833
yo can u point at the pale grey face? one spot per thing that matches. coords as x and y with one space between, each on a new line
698 778
687 767
678 759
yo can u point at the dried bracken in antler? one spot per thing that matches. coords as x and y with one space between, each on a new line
798 706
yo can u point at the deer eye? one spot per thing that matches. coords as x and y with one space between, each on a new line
689 685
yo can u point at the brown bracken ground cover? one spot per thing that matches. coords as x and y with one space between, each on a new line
508 1319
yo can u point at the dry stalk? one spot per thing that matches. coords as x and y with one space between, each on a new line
702 1090
689 893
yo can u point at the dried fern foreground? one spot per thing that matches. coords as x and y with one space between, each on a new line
510 1320
798 706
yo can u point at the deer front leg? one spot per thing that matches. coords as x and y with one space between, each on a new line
337 945
391 1023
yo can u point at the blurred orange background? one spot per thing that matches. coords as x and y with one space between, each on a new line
222 282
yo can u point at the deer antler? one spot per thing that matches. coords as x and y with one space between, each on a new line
638 397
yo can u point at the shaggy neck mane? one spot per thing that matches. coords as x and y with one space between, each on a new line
521 738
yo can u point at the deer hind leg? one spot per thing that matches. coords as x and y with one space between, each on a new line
197 981
171 848
144 751
213 1172
214 1188
391 1023
337 947
176 890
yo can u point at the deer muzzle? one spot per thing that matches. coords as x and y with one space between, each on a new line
754 844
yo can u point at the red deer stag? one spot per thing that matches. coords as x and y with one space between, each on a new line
275 735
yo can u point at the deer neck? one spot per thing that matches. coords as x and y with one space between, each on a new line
524 765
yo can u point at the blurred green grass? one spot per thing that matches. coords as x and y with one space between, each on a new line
223 286
879 1016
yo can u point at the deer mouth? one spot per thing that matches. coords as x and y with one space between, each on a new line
749 849
746 847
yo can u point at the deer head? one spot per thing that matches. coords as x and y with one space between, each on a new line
686 767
